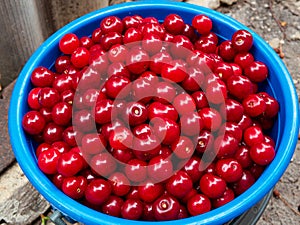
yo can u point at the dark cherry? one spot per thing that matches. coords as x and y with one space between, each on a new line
225 145
146 147
112 206
33 98
111 24
272 105
262 153
69 43
184 104
254 105
118 69
47 161
174 24
159 168
244 183
74 187
202 24
96 35
136 170
120 184
103 110
244 59
239 86
80 57
166 207
166 130
194 80
179 185
83 120
216 92
117 87
206 45
242 40
174 71
121 138
234 110
33 122
52 133
229 169
137 61
181 46
226 50
211 118
223 70
154 28
198 204
72 136
257 71
189 32
117 53
183 147
67 96
136 113
149 191
132 35
62 113
57 180
256 170
41 148
157 109
49 97
191 124
98 191
212 186
86 42
148 214
103 164
227 196
165 92
93 143
69 164
200 99
110 39
192 168
132 209
253 135
205 141
152 43
61 146
130 21
122 155
158 60
237 70
233 129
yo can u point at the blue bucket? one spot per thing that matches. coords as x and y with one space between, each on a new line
279 84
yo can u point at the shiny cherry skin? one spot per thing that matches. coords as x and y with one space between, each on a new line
137 61
132 209
192 168
179 185
136 170
80 57
157 109
174 71
150 191
166 207
69 43
226 50
165 92
205 141
257 71
200 99
69 164
33 122
183 147
110 39
103 164
223 70
72 136
166 130
49 97
253 135
62 113
254 105
121 138
136 113
184 104
52 133
239 86
132 35
158 60
111 24
242 155
174 24
119 183
93 143
74 187
212 186
152 43
229 169
112 206
146 147
202 24
117 87
47 161
130 21
198 204
98 191
242 40
211 118
234 110
83 120
244 183
225 145
103 110
160 168
262 153
227 196
33 98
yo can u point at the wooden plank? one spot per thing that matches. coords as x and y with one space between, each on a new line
6 154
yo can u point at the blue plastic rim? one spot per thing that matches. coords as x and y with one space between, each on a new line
279 84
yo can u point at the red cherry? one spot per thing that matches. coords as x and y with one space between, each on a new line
111 24
174 24
198 204
69 43
112 206
202 24
174 71
229 169
166 207
179 185
150 191
262 153
132 209
103 164
33 122
212 185
69 164
242 40
74 187
98 191
47 161
119 183
136 170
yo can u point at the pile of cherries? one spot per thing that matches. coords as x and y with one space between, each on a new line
152 121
